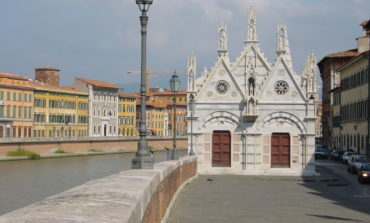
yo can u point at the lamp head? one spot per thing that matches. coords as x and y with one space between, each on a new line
175 83
144 4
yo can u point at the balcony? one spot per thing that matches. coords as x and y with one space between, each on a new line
250 117
6 119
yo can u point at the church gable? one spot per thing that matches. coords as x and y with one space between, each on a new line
251 60
281 86
220 85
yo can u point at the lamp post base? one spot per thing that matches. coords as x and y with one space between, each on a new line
144 162
174 155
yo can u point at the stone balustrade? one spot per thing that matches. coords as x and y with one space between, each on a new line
130 196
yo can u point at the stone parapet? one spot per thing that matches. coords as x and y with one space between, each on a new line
130 196
83 139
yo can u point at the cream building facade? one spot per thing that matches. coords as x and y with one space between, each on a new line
103 106
252 116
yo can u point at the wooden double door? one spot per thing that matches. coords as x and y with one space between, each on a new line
221 149
280 150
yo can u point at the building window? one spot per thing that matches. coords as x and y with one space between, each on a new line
14 111
14 96
19 112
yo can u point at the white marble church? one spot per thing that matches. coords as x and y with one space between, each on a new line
252 116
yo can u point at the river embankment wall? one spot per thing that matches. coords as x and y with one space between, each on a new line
86 144
132 196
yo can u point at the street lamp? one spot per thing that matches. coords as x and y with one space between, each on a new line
143 158
175 85
191 108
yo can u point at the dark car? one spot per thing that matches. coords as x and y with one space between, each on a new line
336 155
321 153
364 174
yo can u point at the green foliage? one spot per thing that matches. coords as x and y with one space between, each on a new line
59 151
22 152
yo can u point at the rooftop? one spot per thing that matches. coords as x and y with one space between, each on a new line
98 83
12 76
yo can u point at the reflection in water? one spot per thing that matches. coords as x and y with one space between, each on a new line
27 181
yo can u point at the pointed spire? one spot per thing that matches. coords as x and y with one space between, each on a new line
309 73
252 29
222 42
192 68
283 44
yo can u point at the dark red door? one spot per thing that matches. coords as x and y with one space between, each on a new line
221 149
280 150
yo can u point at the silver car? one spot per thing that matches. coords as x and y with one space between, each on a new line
355 162
346 156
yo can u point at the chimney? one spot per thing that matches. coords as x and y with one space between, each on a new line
363 42
47 75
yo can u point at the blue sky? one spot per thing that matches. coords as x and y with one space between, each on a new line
100 39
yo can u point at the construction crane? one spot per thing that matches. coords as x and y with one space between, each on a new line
155 72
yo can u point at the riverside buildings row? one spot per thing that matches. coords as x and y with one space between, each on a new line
41 108
345 78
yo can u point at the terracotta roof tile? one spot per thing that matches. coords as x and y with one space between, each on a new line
99 83
347 53
121 94
63 89
169 92
12 76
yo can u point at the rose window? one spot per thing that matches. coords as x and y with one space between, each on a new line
281 87
222 87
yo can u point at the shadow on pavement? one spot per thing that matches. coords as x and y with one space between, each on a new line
338 190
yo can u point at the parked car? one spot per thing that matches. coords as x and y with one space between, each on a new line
346 156
321 153
336 154
364 173
355 162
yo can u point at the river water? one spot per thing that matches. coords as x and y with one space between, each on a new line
27 181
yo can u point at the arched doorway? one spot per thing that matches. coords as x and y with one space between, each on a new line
221 149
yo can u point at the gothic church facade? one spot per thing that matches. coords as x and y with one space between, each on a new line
252 116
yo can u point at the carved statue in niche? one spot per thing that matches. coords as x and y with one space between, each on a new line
251 106
252 25
191 71
281 38
222 35
251 85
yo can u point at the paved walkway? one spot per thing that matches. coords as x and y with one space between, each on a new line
233 199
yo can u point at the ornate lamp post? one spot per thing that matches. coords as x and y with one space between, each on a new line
191 108
143 159
175 85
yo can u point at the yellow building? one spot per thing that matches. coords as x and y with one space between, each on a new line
60 112
16 106
156 122
126 115
354 97
167 97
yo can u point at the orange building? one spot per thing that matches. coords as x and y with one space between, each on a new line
167 97
16 106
